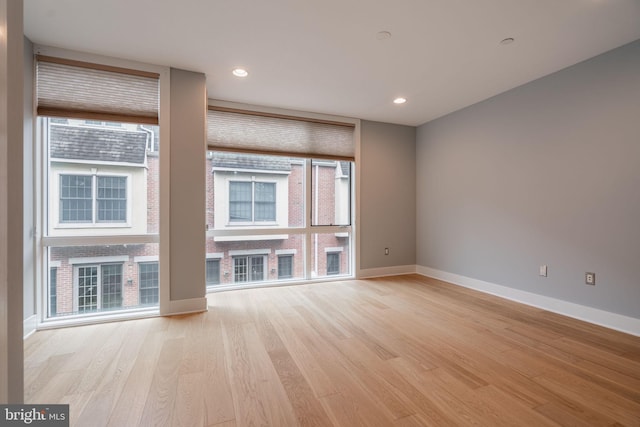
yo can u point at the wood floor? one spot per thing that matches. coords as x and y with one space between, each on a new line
403 351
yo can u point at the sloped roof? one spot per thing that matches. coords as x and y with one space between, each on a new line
97 144
243 161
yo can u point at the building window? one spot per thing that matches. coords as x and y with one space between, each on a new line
112 199
53 296
252 201
213 272
99 287
333 263
285 266
77 199
149 291
248 268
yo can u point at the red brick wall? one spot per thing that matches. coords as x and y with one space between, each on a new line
325 174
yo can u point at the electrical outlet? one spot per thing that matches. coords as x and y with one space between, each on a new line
386 251
543 270
590 278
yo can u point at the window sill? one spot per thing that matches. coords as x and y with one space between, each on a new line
250 238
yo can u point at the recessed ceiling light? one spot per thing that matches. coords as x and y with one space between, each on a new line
240 72
508 40
383 35
400 100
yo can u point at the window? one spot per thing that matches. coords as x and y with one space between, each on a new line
99 287
333 263
77 199
252 201
280 195
53 296
213 272
285 266
148 283
99 192
112 199
248 268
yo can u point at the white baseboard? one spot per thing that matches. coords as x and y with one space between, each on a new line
386 271
619 322
29 325
185 306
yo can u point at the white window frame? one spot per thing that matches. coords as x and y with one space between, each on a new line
55 201
76 283
253 221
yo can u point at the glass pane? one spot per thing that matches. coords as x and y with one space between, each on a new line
331 254
102 278
330 192
112 199
76 199
240 201
111 286
213 272
149 283
246 190
93 166
247 260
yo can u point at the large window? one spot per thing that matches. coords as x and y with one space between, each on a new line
101 196
79 202
261 226
99 193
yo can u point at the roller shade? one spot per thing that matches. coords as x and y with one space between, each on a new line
246 131
67 88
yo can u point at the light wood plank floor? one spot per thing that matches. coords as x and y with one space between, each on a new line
402 351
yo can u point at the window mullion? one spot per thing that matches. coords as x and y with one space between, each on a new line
307 219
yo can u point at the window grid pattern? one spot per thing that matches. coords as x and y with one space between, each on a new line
76 198
87 289
112 199
149 280
240 201
240 269
265 201
252 201
111 286
248 268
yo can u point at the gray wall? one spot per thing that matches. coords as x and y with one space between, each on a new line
547 173
387 190
187 212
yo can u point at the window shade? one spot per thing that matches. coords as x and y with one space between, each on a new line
245 131
76 89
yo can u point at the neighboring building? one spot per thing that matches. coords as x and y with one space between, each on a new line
103 181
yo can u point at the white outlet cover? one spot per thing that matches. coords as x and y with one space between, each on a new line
543 270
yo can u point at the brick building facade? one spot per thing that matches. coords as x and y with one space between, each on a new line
98 278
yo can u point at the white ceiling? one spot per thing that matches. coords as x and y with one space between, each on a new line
323 56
